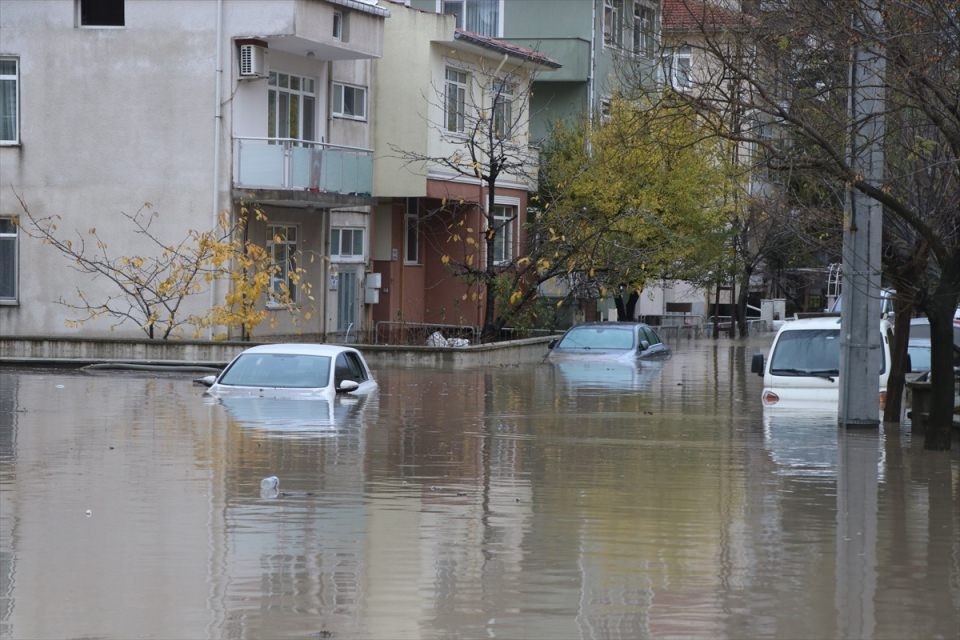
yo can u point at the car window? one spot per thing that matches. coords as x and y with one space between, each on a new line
650 336
278 370
349 367
604 338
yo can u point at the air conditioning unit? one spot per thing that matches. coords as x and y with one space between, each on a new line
253 61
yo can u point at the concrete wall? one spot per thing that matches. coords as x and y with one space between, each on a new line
40 350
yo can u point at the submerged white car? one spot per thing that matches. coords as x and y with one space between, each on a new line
295 371
802 371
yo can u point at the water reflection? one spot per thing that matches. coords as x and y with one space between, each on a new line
497 502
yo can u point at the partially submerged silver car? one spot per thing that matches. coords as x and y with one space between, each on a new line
295 371
609 340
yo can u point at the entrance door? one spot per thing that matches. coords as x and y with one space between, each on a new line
347 303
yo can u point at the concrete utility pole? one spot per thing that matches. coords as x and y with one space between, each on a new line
863 218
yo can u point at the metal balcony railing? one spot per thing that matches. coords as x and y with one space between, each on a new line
302 165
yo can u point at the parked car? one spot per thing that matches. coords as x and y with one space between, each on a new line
802 370
608 340
918 345
294 370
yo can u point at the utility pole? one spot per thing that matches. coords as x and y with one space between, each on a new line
860 354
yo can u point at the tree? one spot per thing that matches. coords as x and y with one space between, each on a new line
637 198
797 81
151 289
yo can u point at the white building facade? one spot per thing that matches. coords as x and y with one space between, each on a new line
197 107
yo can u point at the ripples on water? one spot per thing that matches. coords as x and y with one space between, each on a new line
531 501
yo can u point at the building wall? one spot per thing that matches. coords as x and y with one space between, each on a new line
129 118
115 127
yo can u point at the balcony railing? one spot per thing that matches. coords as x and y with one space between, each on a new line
302 165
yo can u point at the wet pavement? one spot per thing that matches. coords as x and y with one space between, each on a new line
530 501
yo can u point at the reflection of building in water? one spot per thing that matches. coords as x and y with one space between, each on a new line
8 506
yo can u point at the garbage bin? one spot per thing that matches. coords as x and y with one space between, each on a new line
921 393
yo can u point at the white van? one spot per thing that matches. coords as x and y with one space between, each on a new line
803 368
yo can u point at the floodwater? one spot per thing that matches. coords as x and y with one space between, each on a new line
528 501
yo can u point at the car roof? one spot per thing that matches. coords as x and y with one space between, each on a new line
823 322
623 324
826 322
308 349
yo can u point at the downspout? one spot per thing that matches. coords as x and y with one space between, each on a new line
593 61
217 120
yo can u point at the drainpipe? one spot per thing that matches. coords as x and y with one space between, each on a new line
217 121
593 61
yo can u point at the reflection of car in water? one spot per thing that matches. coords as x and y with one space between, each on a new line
599 375
296 416
608 340
803 444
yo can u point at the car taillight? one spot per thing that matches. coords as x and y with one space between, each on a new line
770 398
883 400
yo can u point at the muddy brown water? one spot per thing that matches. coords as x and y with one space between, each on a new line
528 501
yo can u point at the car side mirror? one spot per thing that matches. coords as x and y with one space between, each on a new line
644 345
206 381
552 343
347 386
756 365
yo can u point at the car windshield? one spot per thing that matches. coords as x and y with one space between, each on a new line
805 352
604 338
919 357
287 370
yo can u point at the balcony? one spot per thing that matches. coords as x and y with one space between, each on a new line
300 171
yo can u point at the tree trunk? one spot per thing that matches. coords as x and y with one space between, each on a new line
716 313
742 297
940 312
903 308
632 305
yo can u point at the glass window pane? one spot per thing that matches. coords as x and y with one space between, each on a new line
8 267
284 80
348 101
338 98
335 242
294 130
358 242
295 83
271 114
8 110
309 118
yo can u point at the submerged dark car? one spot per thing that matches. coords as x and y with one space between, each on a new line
609 340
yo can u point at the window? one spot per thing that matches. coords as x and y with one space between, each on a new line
291 107
643 30
346 243
9 101
456 100
477 16
349 101
503 109
338 25
613 22
101 13
282 247
605 110
348 367
411 253
677 66
503 217
8 260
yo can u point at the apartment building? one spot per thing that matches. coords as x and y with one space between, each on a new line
438 87
197 107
